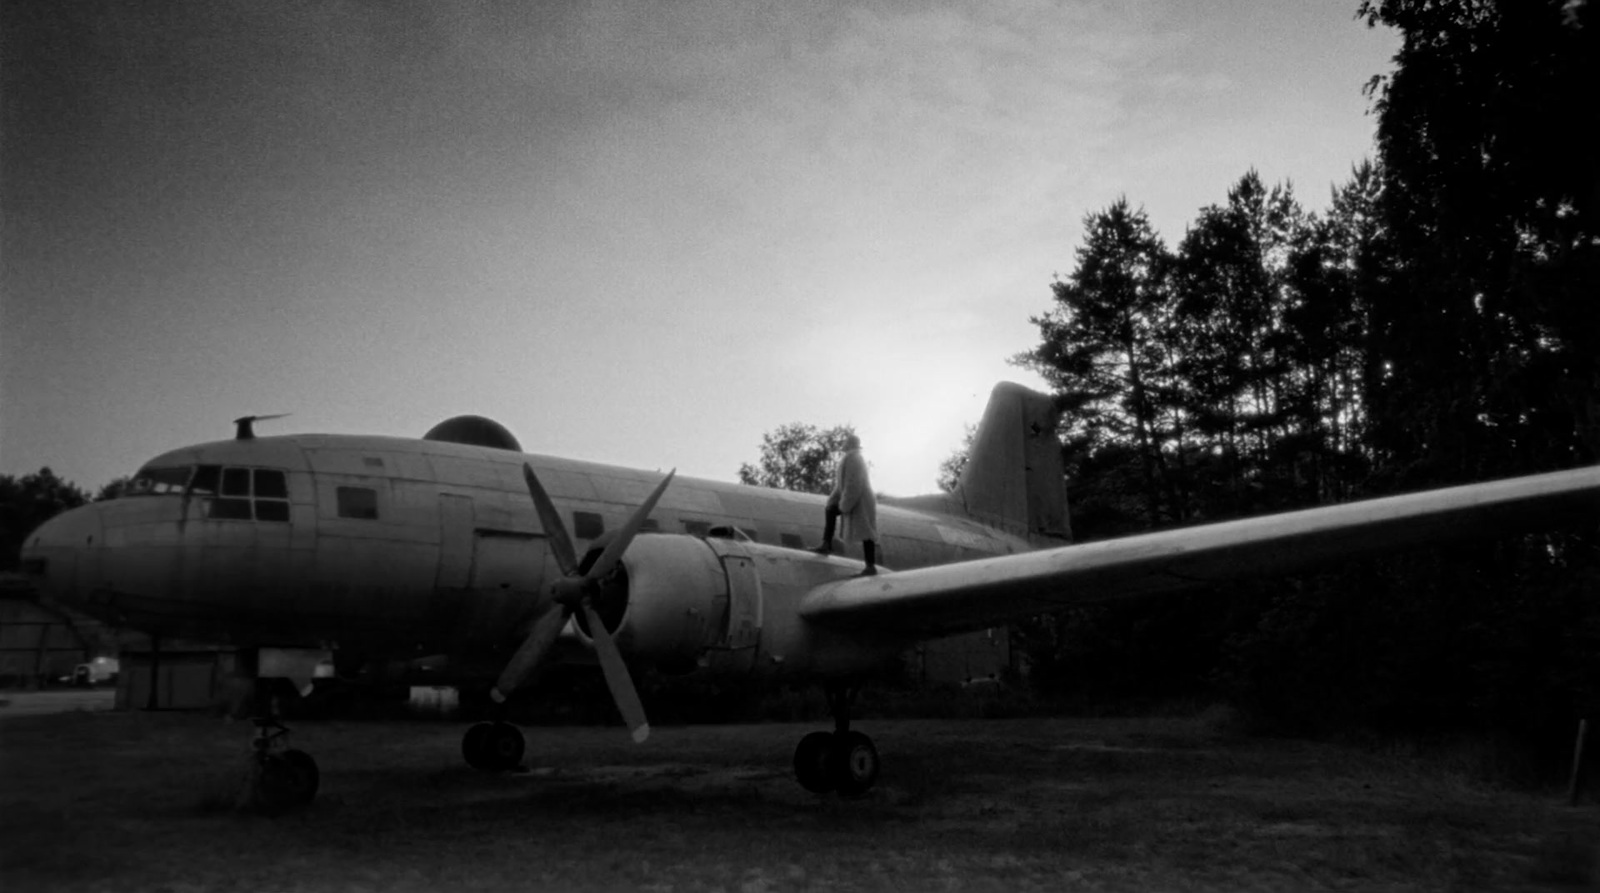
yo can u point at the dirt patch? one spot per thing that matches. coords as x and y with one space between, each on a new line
130 801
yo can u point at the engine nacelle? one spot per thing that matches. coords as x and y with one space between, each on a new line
678 601
730 607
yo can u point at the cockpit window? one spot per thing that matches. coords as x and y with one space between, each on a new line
206 479
159 481
232 509
272 495
222 493
272 510
231 487
271 484
225 493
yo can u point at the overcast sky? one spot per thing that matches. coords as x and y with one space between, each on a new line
636 233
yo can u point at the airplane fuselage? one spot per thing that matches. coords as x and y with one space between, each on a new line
394 547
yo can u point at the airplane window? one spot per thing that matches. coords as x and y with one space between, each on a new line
159 481
235 482
206 478
792 540
750 534
358 502
730 532
649 525
587 525
229 509
697 528
271 484
271 510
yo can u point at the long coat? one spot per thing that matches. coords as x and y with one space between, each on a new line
852 493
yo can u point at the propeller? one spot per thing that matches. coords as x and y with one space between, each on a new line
574 591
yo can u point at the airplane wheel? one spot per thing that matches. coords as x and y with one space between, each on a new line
286 780
503 747
853 764
811 762
310 775
472 746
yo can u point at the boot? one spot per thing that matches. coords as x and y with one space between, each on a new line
869 550
828 524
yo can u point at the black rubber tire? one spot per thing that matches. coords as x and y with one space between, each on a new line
284 781
853 764
812 759
472 746
503 747
311 776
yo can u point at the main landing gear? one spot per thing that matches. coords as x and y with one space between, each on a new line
493 746
840 760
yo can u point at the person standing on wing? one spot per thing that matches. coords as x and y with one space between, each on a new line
853 499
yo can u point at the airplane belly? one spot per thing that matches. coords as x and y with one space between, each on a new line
372 584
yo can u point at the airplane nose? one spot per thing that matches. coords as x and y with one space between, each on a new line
57 553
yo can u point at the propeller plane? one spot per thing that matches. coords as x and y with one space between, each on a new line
458 544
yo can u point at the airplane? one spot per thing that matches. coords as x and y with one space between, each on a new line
295 548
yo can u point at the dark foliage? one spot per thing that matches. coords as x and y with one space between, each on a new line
1439 323
27 502
797 457
114 489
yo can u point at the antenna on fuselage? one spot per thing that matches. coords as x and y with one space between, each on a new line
244 426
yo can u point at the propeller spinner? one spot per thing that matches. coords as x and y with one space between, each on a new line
574 591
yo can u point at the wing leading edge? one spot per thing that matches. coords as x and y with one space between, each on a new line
971 595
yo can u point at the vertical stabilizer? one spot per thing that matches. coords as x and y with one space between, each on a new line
1014 479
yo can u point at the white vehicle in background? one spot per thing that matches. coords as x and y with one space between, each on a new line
96 672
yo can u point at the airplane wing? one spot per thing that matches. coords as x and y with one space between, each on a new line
952 598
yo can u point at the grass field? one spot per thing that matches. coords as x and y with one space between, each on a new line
135 801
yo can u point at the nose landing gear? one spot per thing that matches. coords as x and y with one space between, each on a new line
843 760
281 778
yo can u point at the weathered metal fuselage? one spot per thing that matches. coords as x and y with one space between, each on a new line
394 548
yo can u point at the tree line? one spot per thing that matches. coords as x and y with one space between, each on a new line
32 499
1438 322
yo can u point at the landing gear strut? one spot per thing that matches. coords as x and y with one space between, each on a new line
493 746
842 760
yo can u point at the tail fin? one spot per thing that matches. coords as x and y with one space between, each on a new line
1014 479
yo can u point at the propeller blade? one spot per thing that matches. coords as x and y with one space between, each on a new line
617 678
550 518
531 653
614 549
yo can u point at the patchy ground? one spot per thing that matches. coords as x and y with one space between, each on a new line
135 801
59 700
